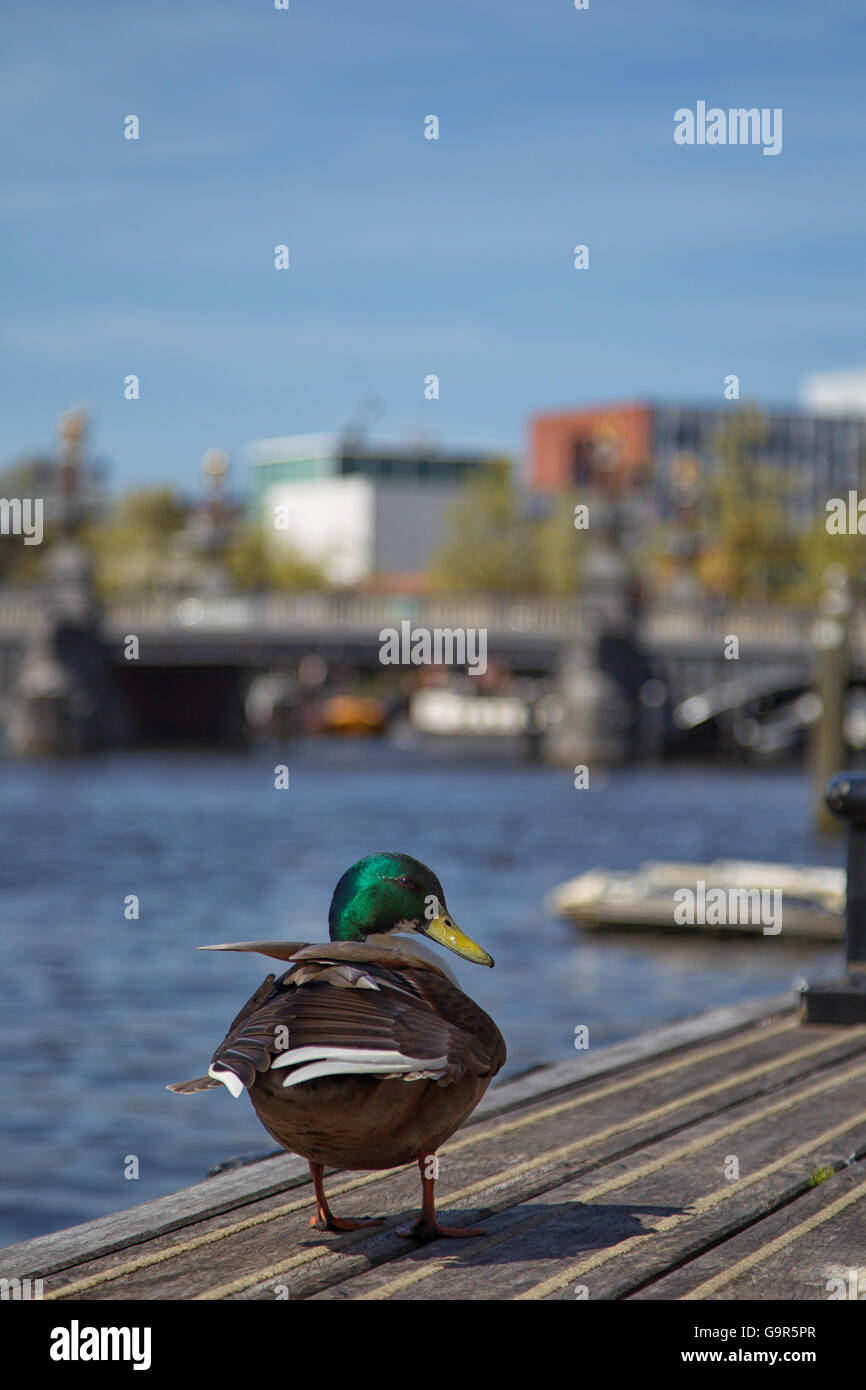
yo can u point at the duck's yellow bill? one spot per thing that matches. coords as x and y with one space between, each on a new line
446 931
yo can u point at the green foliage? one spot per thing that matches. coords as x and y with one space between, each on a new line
560 550
485 547
756 550
819 550
819 1175
257 564
133 547
148 543
152 514
736 535
20 563
491 544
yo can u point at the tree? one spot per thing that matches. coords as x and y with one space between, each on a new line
748 547
21 563
485 547
494 544
819 550
257 564
560 550
134 546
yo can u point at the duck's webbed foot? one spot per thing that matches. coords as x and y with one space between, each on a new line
423 1231
426 1227
324 1219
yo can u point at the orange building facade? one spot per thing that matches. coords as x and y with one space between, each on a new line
609 446
668 450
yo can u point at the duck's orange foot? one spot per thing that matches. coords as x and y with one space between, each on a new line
422 1231
325 1221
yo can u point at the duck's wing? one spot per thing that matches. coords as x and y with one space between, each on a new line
338 1015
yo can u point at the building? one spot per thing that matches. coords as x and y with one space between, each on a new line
356 508
610 446
835 393
663 449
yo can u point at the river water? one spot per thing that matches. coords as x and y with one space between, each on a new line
100 1013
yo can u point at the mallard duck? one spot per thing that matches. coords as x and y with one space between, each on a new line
365 1053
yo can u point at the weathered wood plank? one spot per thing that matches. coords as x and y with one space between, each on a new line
605 1231
607 1115
608 1175
792 1254
715 1023
46 1254
602 1107
225 1192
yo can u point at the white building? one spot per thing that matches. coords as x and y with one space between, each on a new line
358 509
835 393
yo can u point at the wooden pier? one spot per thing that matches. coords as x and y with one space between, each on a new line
720 1158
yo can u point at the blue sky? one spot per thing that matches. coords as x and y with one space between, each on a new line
411 256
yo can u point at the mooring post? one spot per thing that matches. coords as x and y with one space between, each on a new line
830 669
844 1000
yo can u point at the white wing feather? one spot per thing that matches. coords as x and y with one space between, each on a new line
336 1061
231 1082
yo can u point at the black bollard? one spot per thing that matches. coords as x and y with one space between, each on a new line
844 1001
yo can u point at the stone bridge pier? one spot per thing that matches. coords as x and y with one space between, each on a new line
63 697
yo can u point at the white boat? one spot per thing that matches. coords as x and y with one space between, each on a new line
812 898
443 711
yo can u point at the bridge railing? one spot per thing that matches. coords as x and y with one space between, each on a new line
559 618
351 613
691 623
662 625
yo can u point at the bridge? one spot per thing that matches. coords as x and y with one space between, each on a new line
204 650
237 624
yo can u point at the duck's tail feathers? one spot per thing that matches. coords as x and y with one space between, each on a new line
189 1088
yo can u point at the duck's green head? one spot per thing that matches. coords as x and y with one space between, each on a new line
396 893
